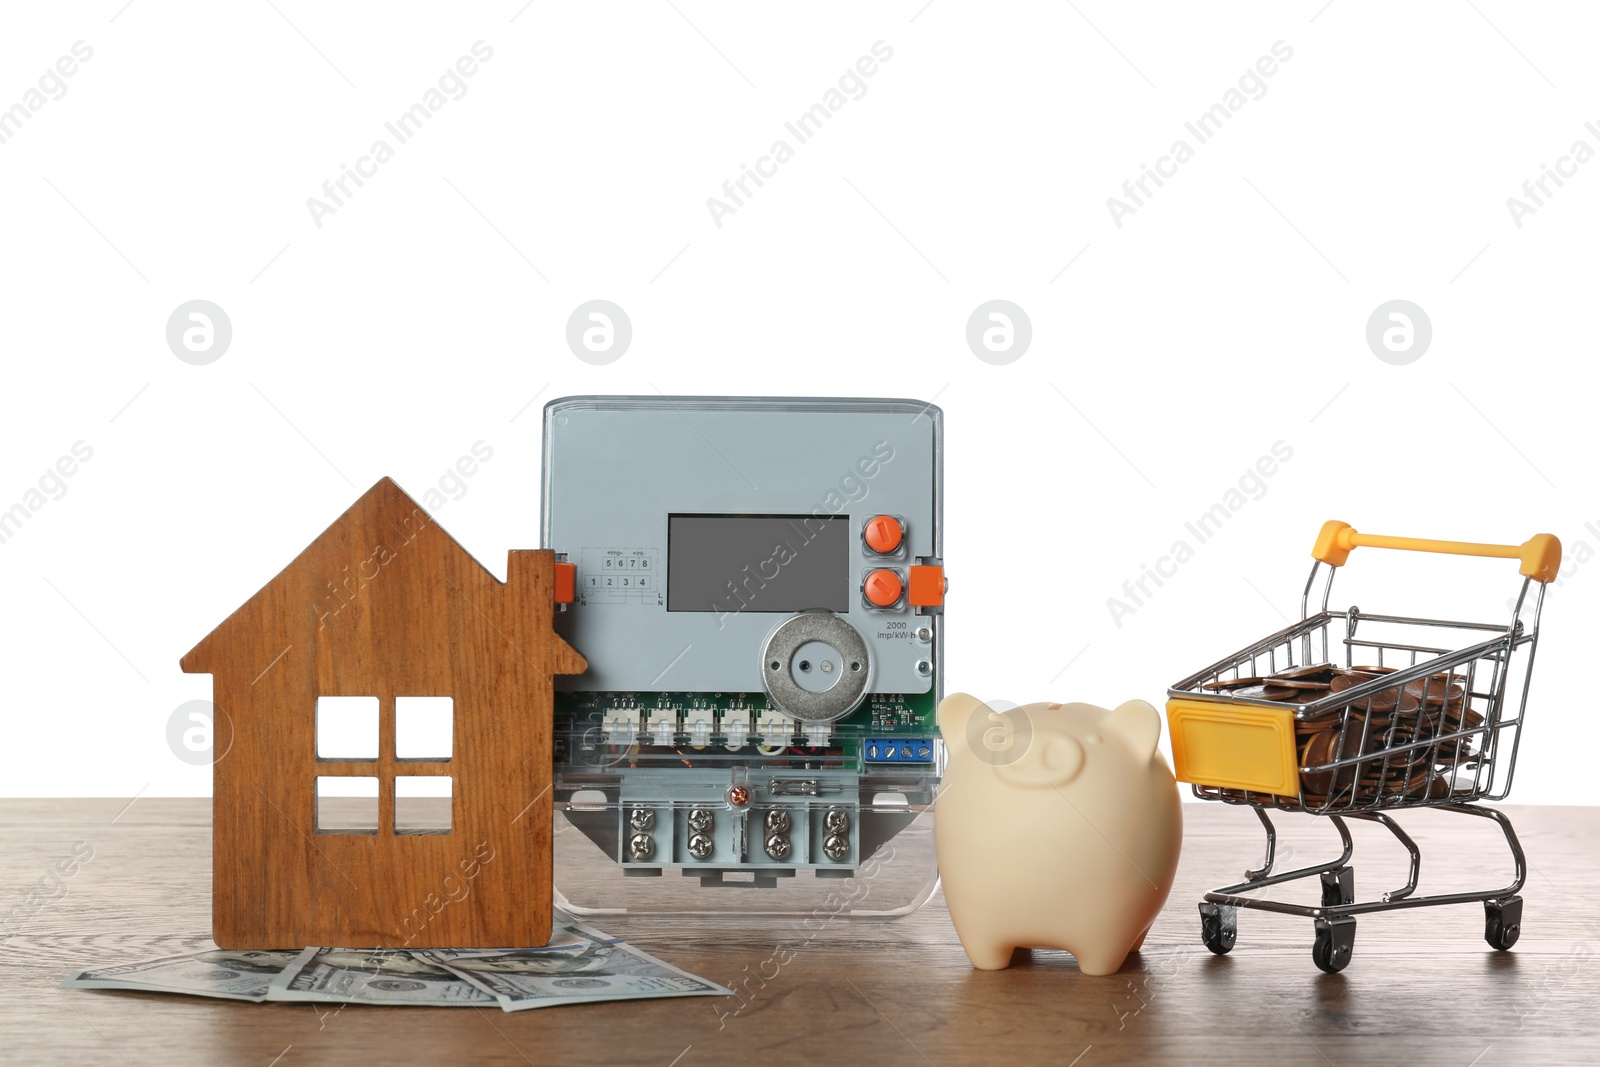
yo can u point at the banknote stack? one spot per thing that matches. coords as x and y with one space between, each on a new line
581 965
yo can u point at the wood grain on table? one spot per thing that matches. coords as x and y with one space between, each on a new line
1422 989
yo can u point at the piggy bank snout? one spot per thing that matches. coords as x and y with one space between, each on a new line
1046 758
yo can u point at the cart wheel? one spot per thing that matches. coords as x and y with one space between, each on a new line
1502 922
1219 927
1338 886
1336 939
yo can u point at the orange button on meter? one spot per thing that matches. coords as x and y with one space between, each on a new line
883 534
882 588
566 582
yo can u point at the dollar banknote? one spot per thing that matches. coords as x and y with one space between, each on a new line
520 980
568 939
373 976
214 973
579 965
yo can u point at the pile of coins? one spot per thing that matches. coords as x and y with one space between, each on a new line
1418 711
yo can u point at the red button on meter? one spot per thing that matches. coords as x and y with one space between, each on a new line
883 534
882 588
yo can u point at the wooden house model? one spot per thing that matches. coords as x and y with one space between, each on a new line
387 779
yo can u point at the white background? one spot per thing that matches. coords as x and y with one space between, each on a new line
428 313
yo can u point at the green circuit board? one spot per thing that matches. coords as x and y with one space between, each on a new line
888 728
879 711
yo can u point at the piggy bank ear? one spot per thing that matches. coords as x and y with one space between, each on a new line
1047 759
1139 726
955 712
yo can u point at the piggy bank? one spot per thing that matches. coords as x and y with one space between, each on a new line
1058 826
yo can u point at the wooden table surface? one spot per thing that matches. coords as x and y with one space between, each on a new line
1423 987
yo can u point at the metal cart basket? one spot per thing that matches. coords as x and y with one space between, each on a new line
1353 715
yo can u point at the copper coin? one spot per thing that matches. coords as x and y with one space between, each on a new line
1435 691
1418 783
1230 683
1350 679
1308 684
1326 746
1391 699
1317 750
1304 728
1317 672
1462 718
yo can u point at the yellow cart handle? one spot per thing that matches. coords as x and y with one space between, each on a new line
1540 554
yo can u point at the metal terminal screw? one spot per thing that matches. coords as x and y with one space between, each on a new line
777 821
836 822
640 846
924 667
700 846
836 847
777 846
738 796
700 820
642 819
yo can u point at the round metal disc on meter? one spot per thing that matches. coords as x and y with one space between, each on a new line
815 667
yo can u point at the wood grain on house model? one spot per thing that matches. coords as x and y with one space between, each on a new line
385 604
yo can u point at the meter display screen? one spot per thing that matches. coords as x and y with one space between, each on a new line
740 563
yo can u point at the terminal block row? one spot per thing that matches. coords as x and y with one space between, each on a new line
799 833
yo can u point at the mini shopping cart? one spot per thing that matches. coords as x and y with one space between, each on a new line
1353 715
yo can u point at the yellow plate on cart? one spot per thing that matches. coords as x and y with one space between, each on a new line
1234 746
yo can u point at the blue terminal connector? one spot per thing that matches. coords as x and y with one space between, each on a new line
897 749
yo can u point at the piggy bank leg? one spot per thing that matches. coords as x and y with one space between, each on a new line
1100 961
987 955
1138 942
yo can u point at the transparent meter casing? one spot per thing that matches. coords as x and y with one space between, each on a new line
759 595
